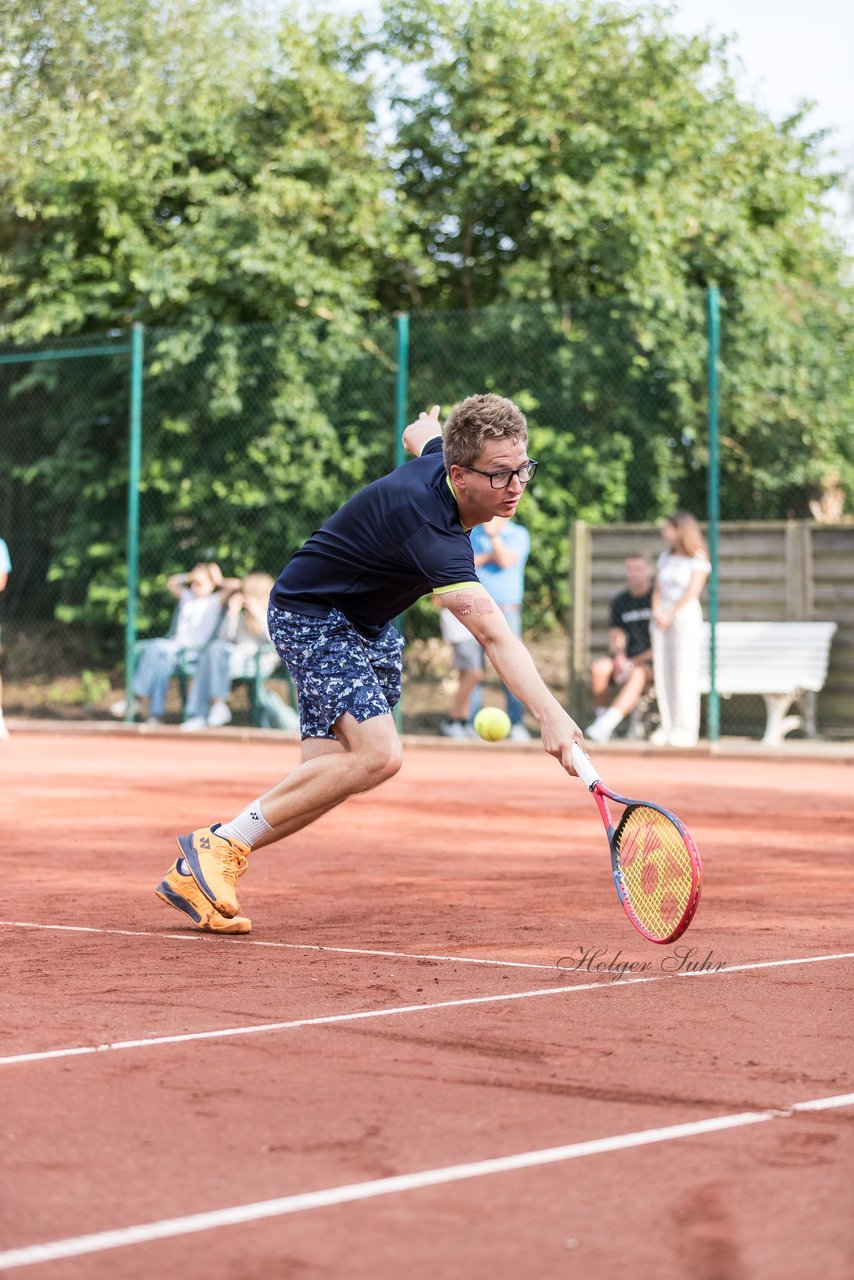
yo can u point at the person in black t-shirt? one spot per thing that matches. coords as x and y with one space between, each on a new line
628 665
331 619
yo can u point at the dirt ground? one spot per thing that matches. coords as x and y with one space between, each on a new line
442 1050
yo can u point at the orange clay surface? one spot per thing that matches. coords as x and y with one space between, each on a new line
239 1076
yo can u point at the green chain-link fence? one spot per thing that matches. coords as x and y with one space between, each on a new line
63 504
599 425
249 437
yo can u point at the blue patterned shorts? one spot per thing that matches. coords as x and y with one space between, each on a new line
336 669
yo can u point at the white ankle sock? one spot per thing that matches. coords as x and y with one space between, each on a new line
610 719
248 827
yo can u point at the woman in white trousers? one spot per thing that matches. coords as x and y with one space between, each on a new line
677 631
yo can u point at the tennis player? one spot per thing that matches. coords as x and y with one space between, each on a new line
400 538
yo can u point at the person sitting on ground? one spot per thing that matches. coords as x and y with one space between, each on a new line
628 664
201 595
232 654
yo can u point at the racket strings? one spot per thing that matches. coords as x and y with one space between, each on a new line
655 867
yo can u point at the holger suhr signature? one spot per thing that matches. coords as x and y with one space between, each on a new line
680 959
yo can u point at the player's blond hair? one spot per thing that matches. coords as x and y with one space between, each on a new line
476 421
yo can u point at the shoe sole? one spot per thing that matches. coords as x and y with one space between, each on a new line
188 849
167 894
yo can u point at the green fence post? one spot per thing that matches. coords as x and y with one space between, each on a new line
134 474
714 706
401 400
401 414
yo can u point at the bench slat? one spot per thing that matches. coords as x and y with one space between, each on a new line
768 657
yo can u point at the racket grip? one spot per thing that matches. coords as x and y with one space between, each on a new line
583 766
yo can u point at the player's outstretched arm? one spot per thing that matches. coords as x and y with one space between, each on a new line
423 429
477 611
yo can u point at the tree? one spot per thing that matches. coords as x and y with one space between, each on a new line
166 162
585 156
185 165
551 194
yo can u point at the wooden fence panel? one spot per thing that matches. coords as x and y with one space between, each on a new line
768 571
833 576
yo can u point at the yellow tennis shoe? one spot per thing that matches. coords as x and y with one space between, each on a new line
215 863
180 890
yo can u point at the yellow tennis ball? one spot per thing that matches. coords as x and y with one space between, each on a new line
492 723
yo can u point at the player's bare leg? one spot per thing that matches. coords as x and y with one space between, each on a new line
362 756
313 749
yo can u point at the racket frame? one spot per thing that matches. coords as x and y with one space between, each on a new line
601 794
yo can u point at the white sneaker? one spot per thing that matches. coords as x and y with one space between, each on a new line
153 720
603 726
519 733
194 724
682 738
598 732
219 714
120 706
659 737
453 729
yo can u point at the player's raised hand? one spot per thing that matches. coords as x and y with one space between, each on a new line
423 429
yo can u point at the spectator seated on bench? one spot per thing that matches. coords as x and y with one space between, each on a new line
240 652
781 661
201 596
628 664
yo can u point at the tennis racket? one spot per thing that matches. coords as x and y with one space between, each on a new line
656 866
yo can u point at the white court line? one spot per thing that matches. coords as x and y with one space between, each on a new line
236 1215
198 936
335 1018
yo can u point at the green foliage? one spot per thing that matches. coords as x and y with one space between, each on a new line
560 154
94 688
550 193
184 165
253 435
180 161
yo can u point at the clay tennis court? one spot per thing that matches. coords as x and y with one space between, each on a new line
428 1058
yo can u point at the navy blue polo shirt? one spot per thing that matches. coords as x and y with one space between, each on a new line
396 540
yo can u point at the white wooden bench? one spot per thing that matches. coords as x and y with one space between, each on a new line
781 661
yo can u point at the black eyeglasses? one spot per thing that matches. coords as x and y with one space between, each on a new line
501 479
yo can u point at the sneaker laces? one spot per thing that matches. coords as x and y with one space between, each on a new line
233 864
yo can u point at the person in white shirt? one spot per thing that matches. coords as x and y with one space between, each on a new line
234 652
677 631
201 596
468 664
501 548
